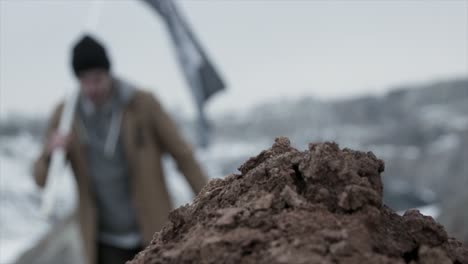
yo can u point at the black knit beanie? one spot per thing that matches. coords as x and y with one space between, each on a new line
89 54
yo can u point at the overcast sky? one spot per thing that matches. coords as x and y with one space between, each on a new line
264 49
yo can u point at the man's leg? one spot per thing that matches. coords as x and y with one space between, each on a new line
108 254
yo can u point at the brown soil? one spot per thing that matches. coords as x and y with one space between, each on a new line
323 205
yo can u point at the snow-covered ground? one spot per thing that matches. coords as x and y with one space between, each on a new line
21 224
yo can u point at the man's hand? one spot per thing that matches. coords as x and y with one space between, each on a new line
57 141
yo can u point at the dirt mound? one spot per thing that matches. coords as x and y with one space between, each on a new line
323 205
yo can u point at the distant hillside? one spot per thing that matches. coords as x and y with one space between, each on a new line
421 132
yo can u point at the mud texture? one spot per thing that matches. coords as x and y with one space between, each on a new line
322 205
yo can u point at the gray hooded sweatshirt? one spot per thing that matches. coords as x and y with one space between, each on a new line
100 130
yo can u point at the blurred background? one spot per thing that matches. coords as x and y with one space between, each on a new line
389 77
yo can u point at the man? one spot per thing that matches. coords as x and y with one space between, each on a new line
118 136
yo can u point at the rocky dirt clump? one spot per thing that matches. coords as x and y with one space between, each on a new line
322 205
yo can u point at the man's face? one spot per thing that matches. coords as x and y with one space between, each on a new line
95 85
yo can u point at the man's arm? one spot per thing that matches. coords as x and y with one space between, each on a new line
172 141
41 165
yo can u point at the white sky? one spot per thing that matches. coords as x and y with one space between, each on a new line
264 49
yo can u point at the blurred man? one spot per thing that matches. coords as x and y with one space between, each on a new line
118 136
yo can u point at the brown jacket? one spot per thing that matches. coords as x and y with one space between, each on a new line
147 132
